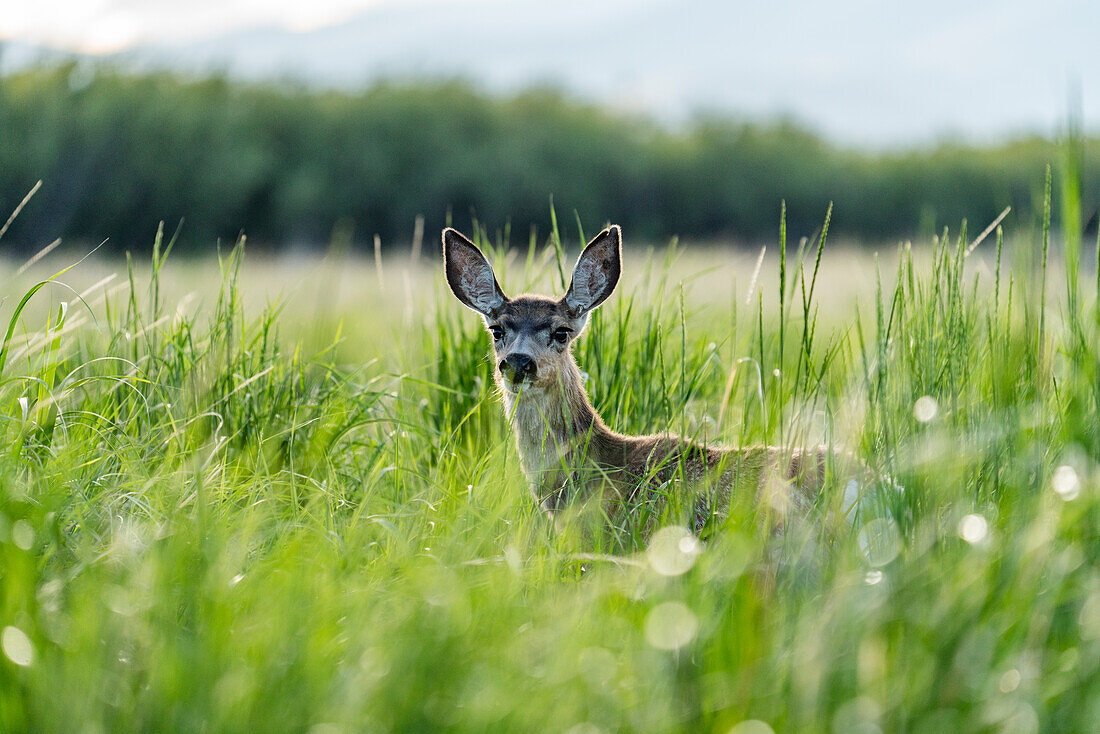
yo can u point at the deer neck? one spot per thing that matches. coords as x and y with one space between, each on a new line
551 421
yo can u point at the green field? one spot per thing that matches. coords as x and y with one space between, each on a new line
267 495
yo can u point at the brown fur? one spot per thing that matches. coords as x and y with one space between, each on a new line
568 453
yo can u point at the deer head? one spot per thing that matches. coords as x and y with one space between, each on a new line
531 334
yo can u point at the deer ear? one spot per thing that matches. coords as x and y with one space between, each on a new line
596 273
469 274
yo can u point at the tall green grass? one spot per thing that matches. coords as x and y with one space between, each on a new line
210 525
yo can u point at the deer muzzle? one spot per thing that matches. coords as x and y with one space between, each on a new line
517 368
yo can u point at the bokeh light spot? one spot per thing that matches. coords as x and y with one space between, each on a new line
1066 483
880 541
17 646
925 409
673 551
670 626
22 534
973 529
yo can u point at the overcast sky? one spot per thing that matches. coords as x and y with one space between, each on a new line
876 71
111 25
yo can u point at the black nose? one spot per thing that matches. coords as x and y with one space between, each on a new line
518 367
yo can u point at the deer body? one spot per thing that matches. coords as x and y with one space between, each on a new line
568 453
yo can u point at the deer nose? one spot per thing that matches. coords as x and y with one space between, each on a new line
517 367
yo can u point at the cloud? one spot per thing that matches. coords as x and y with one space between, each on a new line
99 26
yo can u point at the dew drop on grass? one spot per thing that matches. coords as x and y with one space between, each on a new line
873 577
973 529
673 551
880 541
670 626
925 409
17 646
1066 483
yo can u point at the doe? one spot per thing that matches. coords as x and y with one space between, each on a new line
568 453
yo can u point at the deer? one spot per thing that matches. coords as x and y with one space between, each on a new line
569 455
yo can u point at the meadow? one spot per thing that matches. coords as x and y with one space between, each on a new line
273 495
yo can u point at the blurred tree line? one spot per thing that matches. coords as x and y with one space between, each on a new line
285 164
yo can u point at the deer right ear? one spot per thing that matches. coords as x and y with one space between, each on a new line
469 274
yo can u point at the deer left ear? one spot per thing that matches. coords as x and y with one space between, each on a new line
596 273
470 275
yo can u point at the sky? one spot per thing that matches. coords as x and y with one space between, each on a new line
870 73
102 26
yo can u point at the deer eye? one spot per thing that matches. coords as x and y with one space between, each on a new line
497 332
561 334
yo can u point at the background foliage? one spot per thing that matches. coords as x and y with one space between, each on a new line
119 153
